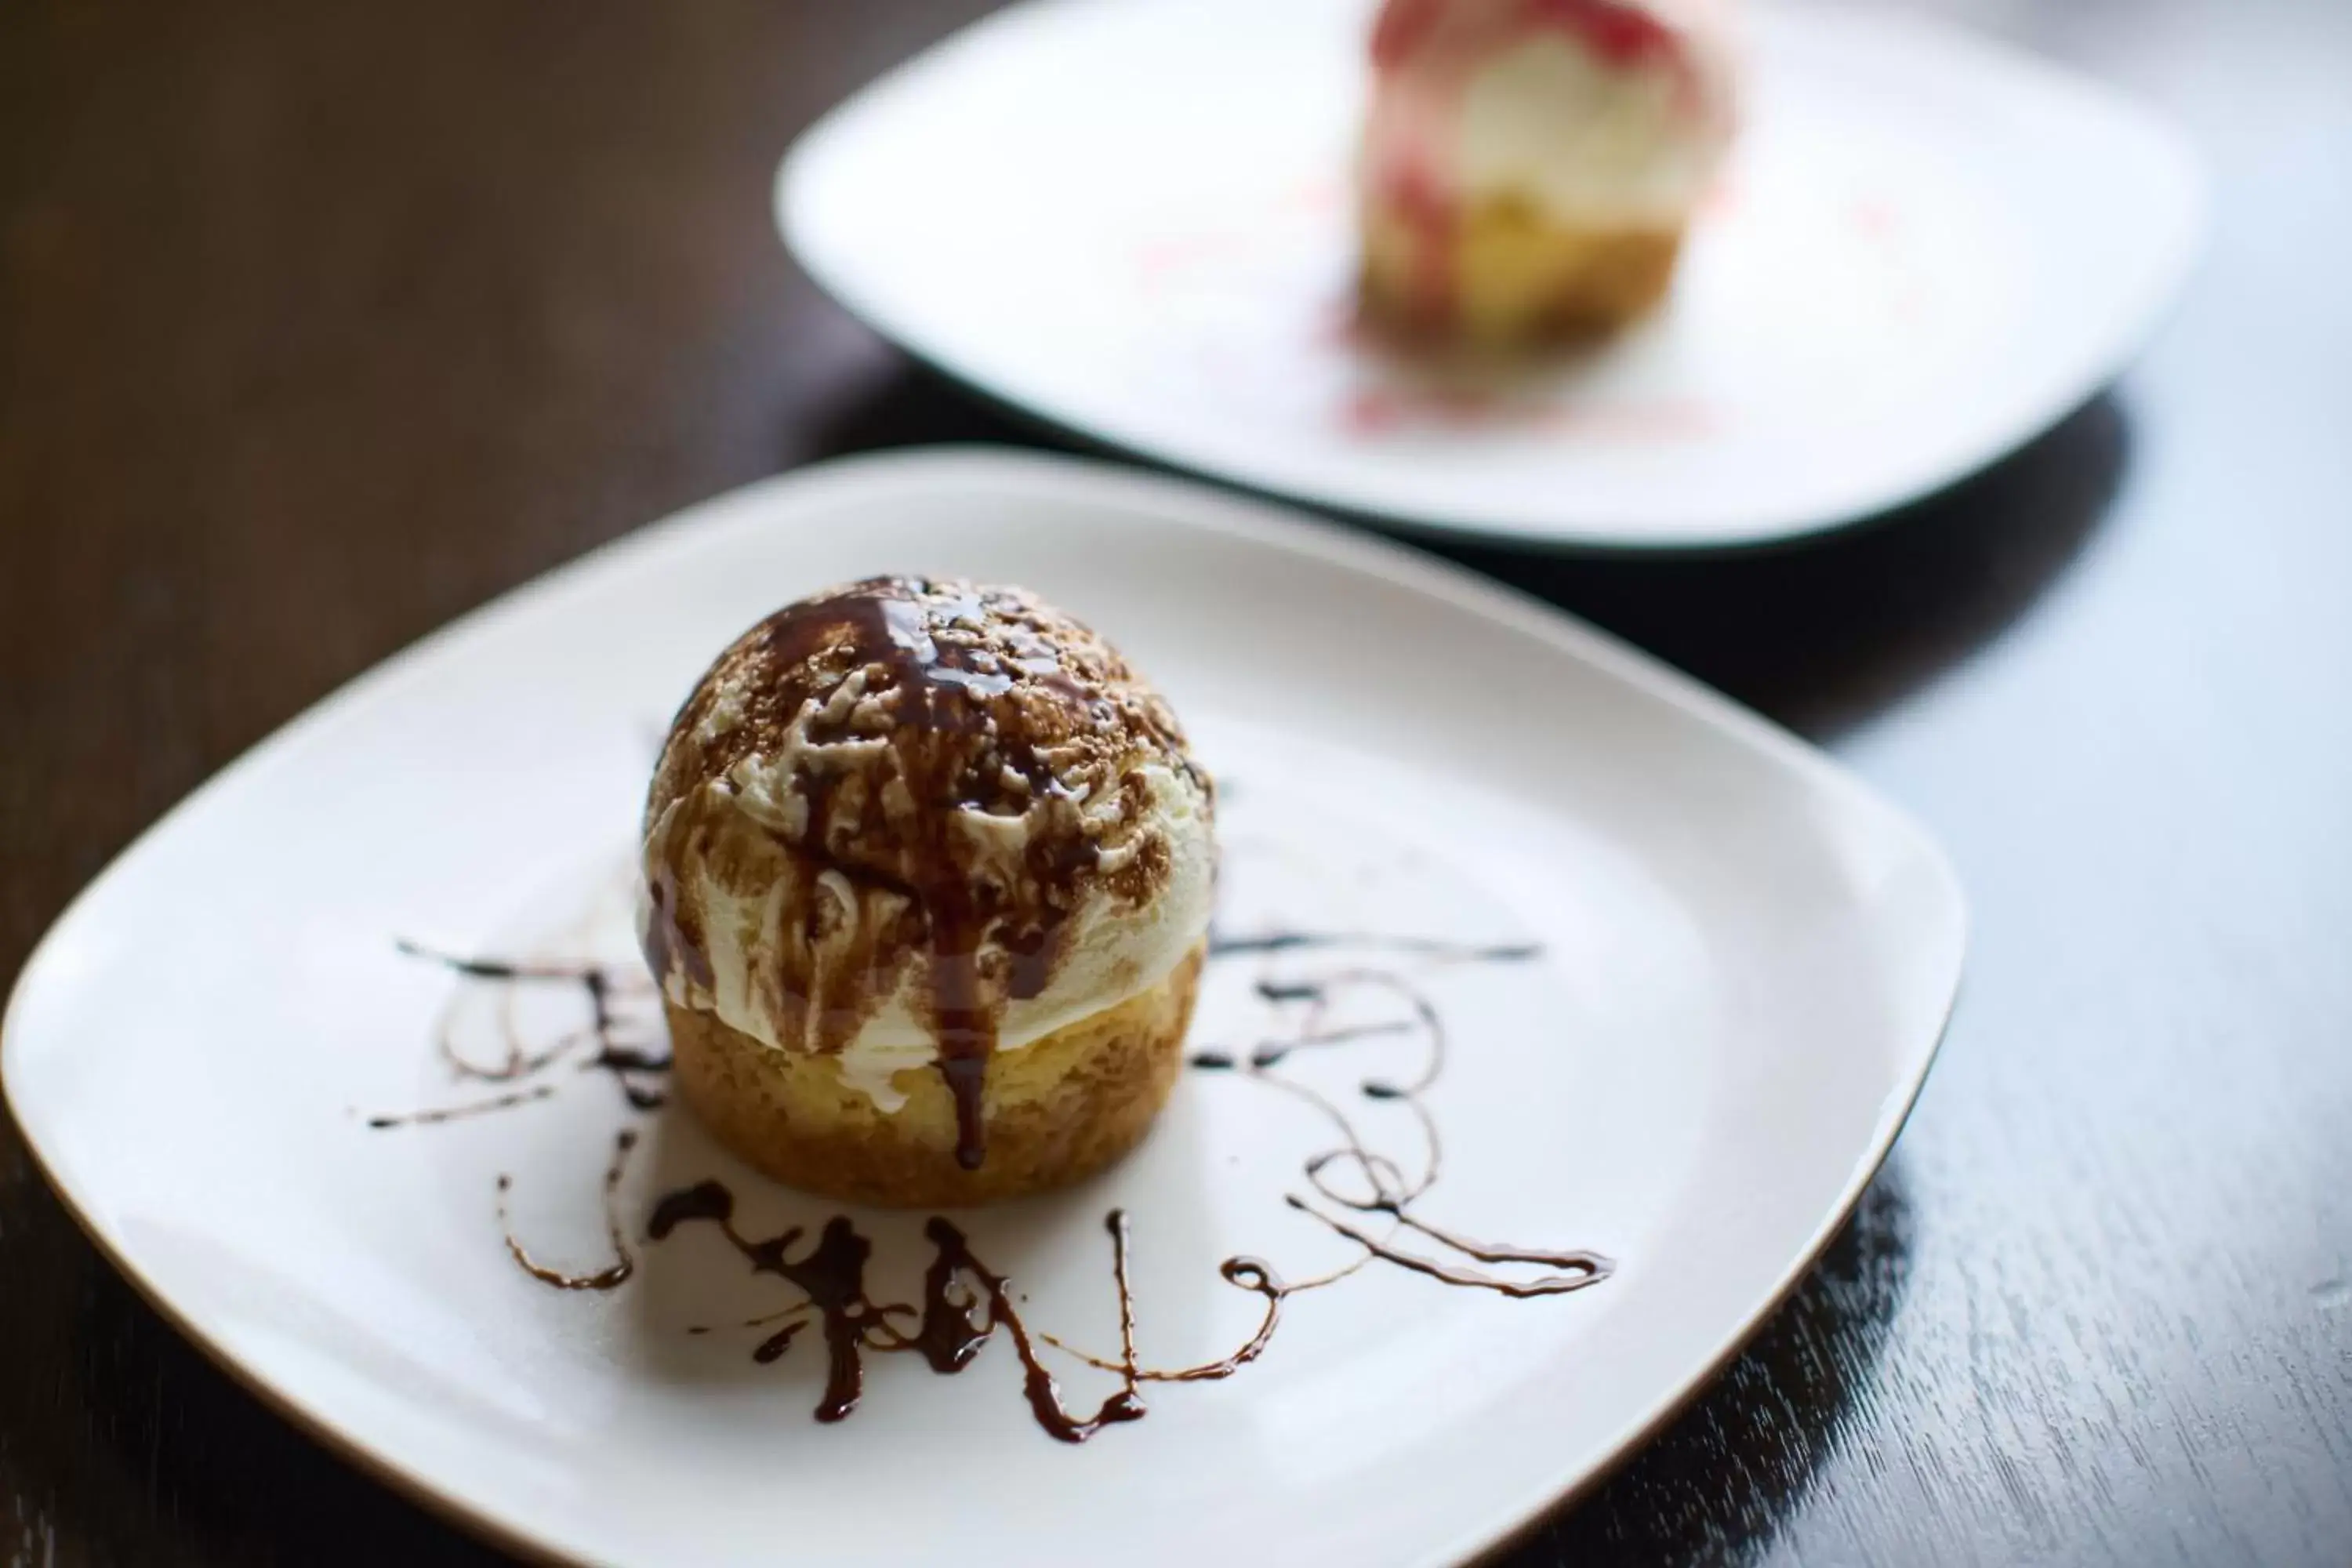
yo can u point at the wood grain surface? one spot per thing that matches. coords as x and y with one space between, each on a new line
320 323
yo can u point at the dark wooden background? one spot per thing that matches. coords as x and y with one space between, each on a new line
320 323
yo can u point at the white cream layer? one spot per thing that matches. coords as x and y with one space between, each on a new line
1109 952
1582 138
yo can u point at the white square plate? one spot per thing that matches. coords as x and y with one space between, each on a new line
1733 962
1131 217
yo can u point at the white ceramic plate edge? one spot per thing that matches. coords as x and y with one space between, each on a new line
975 466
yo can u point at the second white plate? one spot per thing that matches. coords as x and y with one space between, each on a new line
1131 217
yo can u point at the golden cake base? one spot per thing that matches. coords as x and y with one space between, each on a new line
1508 276
1056 1111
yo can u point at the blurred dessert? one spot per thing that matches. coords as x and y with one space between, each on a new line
928 874
1529 166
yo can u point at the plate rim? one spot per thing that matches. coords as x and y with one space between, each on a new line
1184 503
2027 419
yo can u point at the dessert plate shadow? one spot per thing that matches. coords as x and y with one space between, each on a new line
1585 957
1119 217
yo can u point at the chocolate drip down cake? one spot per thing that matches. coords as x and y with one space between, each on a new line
927 879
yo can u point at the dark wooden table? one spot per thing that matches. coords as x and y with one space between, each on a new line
321 324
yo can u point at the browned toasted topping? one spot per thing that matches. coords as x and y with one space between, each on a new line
899 697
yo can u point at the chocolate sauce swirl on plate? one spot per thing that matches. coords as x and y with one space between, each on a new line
638 1067
1370 1197
613 1275
964 1302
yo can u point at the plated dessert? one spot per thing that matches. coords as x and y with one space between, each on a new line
512 1273
928 870
1529 166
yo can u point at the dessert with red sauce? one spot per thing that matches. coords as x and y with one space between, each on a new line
1529 166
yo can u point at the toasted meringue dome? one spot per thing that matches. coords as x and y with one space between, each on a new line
911 818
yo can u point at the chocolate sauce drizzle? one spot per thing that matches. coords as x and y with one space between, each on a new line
955 1326
831 1275
1224 946
637 1067
435 1115
1380 1187
938 694
1359 1193
964 1302
1251 1274
614 1274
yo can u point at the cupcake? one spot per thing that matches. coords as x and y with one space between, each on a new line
1529 166
927 875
